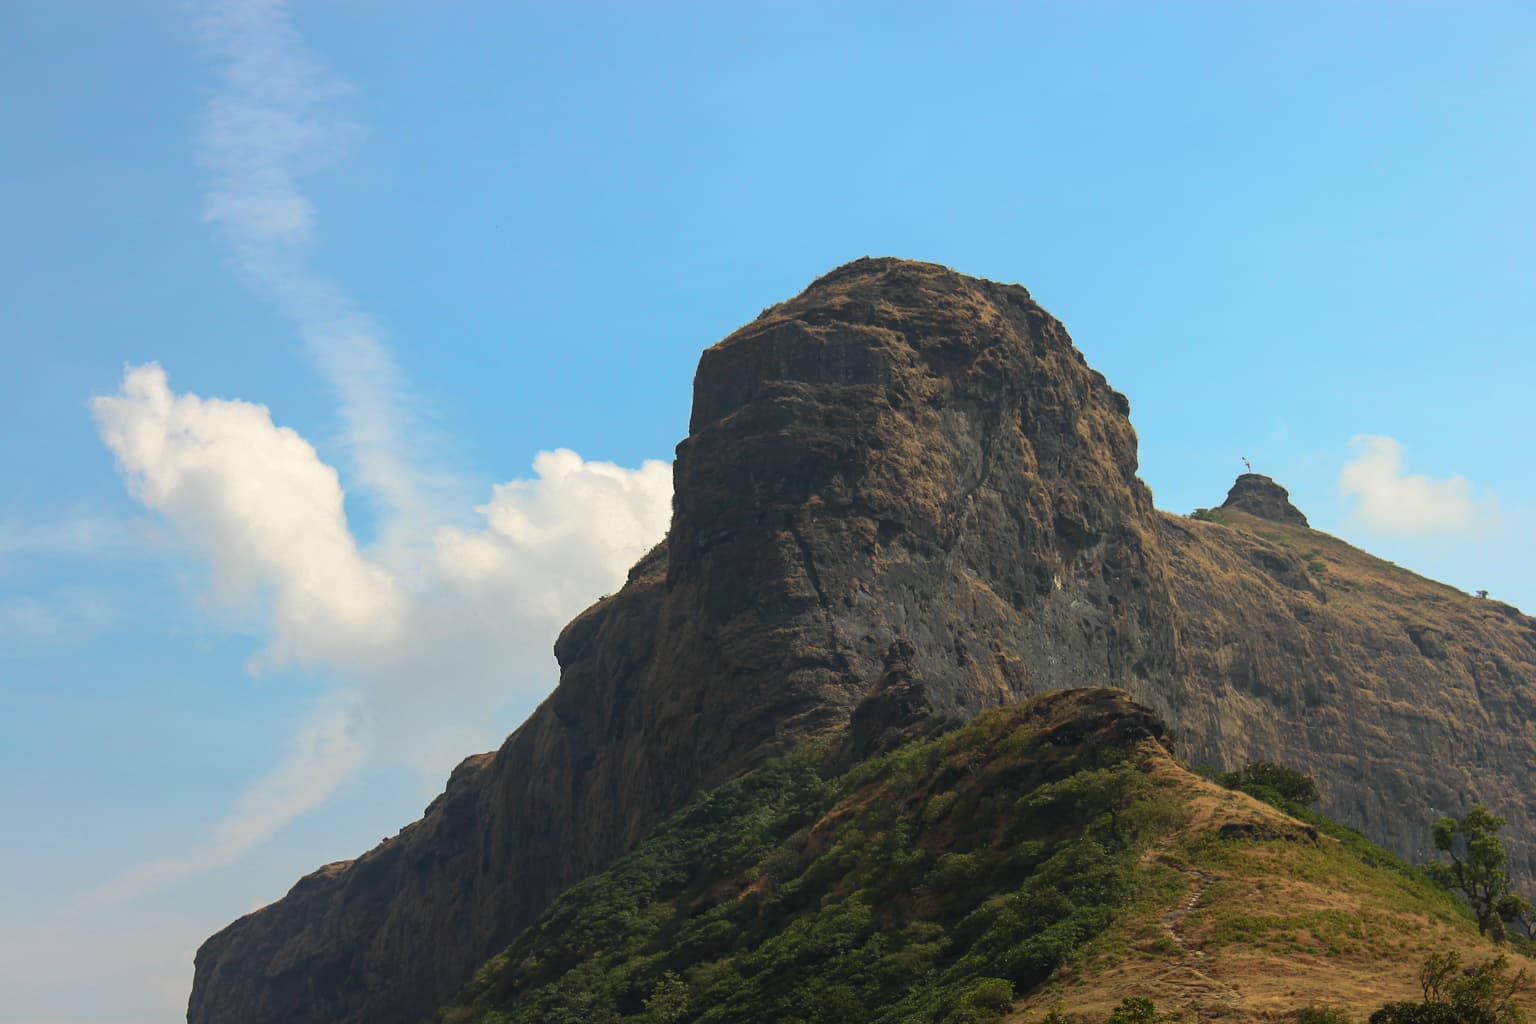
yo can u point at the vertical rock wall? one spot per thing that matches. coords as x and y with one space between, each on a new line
903 492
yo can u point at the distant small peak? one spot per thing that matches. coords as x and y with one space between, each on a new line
1260 496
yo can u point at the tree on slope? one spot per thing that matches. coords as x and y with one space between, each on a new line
1478 870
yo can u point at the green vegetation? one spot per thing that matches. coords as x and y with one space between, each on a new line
1477 871
1132 1010
1391 894
940 882
1136 1010
1293 792
928 885
1322 1015
1274 784
1481 994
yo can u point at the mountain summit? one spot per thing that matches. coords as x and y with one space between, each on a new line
905 494
1260 496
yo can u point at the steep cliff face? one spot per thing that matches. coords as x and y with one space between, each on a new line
1406 699
903 492
900 467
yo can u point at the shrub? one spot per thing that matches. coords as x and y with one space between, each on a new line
1453 994
1322 1015
983 1003
990 994
668 1001
1416 1013
1266 781
746 909
842 1004
1137 1010
1057 1015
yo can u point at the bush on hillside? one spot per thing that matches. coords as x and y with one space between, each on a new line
1272 783
1481 994
1137 1010
1415 1013
1322 1015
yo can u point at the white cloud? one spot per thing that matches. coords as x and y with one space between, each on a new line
256 500
426 633
275 123
423 633
433 626
321 757
421 653
272 125
1391 500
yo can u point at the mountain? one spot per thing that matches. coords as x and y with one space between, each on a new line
905 494
1051 850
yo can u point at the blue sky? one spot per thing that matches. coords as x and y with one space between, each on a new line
293 297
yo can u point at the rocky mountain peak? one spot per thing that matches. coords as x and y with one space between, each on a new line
904 495
1260 496
903 455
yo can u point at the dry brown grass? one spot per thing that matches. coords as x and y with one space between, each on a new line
1256 929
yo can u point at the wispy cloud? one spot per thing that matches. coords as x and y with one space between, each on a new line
320 758
66 615
74 532
276 122
428 629
1390 499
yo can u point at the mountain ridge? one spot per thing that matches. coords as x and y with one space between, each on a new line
1050 855
904 493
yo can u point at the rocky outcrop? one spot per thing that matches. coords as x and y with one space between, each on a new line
903 493
1404 698
1260 496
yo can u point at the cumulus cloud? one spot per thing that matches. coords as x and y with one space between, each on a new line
1389 499
258 503
421 655
426 630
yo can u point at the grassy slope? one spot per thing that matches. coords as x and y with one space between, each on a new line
1360 583
915 886
1403 697
1254 928
1054 847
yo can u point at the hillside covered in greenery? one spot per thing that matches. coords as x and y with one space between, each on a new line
1018 857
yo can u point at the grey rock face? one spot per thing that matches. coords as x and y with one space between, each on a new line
903 492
